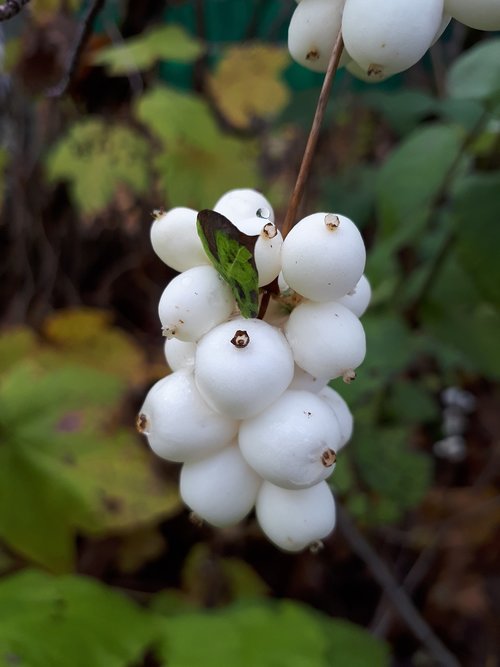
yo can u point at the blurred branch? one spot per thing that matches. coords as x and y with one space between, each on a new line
85 31
11 8
394 592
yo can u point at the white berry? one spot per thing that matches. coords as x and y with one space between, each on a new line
342 412
175 239
312 32
194 302
295 519
389 36
323 256
243 365
177 422
244 203
358 299
326 338
179 353
221 488
293 443
478 14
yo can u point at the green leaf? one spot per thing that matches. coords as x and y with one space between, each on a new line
15 345
283 634
165 42
176 116
403 109
231 253
61 621
411 403
413 175
389 467
61 472
198 161
476 213
97 159
455 315
476 75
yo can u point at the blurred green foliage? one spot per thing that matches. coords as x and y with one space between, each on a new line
71 470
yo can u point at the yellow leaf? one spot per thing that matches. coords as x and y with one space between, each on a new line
247 85
87 336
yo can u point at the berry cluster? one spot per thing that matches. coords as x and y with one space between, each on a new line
381 38
247 409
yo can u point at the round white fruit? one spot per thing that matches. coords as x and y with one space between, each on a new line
326 338
178 423
193 303
244 203
389 36
312 32
478 14
179 353
295 519
267 249
221 488
303 381
175 239
342 412
323 256
369 76
292 443
358 299
242 366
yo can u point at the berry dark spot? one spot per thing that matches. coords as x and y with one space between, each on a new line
141 423
240 339
328 458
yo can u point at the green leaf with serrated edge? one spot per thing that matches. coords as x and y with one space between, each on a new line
231 253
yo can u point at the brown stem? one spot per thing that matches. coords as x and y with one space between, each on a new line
11 8
312 140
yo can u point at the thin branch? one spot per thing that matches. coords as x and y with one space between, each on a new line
86 27
11 8
394 592
312 140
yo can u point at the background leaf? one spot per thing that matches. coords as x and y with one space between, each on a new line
163 42
246 84
96 158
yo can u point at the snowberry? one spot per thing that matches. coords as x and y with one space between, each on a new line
323 256
326 339
178 423
243 365
179 353
267 250
342 412
221 488
307 382
358 299
312 32
194 302
175 239
479 14
389 36
293 443
295 519
244 203
372 76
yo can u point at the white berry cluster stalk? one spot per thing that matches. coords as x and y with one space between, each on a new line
382 37
247 408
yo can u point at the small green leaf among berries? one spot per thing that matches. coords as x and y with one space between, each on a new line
232 254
